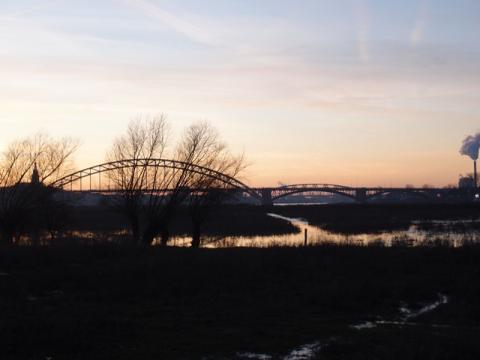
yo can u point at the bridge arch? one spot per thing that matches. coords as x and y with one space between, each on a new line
92 171
346 193
362 194
425 194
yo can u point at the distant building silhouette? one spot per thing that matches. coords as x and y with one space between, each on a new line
466 182
35 180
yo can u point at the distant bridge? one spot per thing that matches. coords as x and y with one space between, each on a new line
90 180
357 194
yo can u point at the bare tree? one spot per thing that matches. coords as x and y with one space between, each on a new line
45 159
201 145
152 188
144 141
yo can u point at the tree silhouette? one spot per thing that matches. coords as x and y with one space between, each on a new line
20 197
152 194
201 145
145 139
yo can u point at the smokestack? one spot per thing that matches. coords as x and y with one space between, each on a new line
475 174
471 147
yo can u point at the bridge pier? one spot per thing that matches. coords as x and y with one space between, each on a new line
267 197
361 195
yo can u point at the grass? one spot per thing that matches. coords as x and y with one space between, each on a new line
116 302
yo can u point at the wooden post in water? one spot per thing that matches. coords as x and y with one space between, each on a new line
306 237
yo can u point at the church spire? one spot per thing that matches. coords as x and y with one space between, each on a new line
35 175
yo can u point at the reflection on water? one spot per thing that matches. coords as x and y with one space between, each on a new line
432 233
316 236
304 352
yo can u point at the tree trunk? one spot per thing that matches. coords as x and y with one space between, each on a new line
196 235
7 237
135 226
35 238
164 236
148 236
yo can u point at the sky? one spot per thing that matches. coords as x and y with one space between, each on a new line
351 92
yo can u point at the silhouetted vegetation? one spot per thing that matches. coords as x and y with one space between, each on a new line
111 302
27 169
457 226
151 194
103 222
201 145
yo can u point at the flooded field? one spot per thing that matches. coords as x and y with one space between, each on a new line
432 233
293 226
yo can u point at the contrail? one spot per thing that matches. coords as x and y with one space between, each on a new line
153 11
363 28
416 36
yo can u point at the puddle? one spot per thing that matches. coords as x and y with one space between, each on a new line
304 352
253 356
310 351
406 317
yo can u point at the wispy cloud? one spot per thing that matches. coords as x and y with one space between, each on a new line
363 29
417 34
182 26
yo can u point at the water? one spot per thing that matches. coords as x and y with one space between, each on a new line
406 317
451 233
304 352
316 236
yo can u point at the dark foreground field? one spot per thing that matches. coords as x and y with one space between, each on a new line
110 302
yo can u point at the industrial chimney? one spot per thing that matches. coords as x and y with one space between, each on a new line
475 183
471 147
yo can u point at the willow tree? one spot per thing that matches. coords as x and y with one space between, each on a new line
144 141
201 145
27 169
153 188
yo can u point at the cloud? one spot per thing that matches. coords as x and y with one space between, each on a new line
418 31
186 28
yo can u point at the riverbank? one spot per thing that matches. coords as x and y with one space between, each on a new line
108 224
108 301
247 225
376 218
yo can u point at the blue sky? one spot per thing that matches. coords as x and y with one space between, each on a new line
354 92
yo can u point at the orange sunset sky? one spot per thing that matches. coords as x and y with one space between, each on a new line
350 92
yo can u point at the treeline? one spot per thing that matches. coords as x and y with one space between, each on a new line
27 203
194 175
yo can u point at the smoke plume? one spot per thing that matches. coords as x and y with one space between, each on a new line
470 146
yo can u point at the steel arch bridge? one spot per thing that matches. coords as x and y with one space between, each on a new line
90 180
288 190
358 194
92 176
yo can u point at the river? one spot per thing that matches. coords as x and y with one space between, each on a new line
314 235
